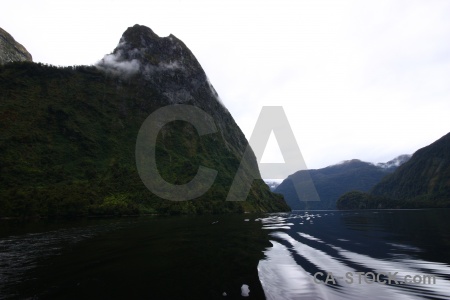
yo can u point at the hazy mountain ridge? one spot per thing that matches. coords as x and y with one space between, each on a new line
423 181
333 181
68 135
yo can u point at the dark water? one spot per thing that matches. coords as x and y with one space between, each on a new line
145 258
204 257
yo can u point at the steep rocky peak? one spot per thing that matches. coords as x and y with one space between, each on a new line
142 50
165 64
140 36
11 50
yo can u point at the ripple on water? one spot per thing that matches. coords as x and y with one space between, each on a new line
298 252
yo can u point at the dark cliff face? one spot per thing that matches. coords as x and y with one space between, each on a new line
79 126
167 65
10 50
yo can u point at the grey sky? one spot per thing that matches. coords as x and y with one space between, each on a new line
357 79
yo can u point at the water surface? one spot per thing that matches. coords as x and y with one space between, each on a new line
207 257
409 242
145 258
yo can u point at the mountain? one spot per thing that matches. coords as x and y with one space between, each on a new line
423 181
395 163
333 181
272 184
426 174
68 135
10 50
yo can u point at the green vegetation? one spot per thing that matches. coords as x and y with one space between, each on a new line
67 142
422 182
361 200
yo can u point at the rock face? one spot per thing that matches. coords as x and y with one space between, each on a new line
79 126
166 64
10 50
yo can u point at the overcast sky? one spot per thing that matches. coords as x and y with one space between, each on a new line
357 79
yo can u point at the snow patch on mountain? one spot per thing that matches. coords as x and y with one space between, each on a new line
273 183
395 163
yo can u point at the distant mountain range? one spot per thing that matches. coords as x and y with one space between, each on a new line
423 181
68 134
333 181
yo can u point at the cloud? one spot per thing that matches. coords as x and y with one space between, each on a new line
172 65
116 64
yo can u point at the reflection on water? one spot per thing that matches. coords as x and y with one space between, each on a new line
229 257
403 242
